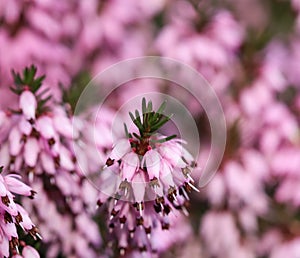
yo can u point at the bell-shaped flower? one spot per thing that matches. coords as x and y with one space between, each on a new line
151 161
45 126
31 151
25 127
120 149
28 104
173 153
138 187
15 140
130 164
16 186
166 174
30 252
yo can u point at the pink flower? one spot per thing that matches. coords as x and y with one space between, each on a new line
30 252
12 214
28 104
145 179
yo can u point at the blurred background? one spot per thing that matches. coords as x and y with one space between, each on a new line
249 52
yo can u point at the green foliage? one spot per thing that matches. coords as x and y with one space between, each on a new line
149 122
27 81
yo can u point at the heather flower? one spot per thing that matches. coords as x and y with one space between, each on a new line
146 178
13 215
37 141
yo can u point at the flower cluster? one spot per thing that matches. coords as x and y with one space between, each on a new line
36 141
13 216
249 53
146 177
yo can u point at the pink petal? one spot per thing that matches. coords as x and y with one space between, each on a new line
16 186
166 174
26 223
25 127
9 229
173 154
120 149
4 155
64 126
2 118
28 104
4 245
17 256
30 252
47 163
15 142
130 165
66 159
11 208
45 127
138 187
152 161
2 187
31 151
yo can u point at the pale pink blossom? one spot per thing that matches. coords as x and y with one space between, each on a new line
28 104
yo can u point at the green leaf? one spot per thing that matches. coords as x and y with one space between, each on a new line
137 116
144 106
165 139
136 122
137 136
126 130
149 107
160 111
161 123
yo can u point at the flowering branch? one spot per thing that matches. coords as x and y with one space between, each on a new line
155 175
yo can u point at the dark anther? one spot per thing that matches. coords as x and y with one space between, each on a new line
109 162
159 200
167 209
35 133
187 187
148 230
32 194
51 141
13 243
122 220
18 218
139 221
143 248
114 212
7 217
157 208
165 226
57 161
5 200
99 203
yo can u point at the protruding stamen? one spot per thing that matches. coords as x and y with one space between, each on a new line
193 187
131 232
39 236
52 180
148 232
30 176
122 251
184 193
185 211
140 221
